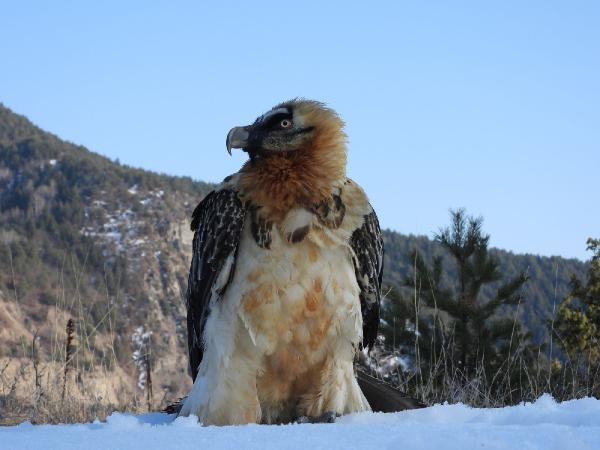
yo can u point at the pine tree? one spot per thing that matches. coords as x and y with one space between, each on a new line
450 323
577 327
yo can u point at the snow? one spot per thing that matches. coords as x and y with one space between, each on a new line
140 340
384 362
121 228
391 363
544 424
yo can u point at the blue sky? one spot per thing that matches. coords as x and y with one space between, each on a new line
492 106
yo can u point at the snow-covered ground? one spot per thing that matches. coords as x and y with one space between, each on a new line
544 424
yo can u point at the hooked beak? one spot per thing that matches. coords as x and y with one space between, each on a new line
237 138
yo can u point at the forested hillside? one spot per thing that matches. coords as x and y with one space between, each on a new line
549 277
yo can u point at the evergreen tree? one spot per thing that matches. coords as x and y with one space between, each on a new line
577 327
478 335
450 325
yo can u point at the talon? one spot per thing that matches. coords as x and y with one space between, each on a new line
328 417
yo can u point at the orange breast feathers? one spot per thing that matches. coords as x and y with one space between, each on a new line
298 179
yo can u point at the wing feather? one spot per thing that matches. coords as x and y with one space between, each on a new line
367 244
217 223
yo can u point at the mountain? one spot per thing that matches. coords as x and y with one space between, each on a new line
108 245
84 237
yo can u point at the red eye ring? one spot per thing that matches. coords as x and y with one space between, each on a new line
285 123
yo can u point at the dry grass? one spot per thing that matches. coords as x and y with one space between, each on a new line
524 375
65 391
516 381
39 391
75 383
72 373
82 366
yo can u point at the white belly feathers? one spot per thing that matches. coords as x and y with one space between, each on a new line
299 303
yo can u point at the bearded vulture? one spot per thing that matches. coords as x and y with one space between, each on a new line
285 280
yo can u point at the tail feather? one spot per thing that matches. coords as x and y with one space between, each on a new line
382 396
175 407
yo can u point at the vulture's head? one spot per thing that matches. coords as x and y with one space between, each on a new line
294 126
297 154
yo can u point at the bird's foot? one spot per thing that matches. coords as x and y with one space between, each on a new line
327 417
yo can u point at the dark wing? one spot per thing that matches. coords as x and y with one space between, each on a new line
217 222
367 244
